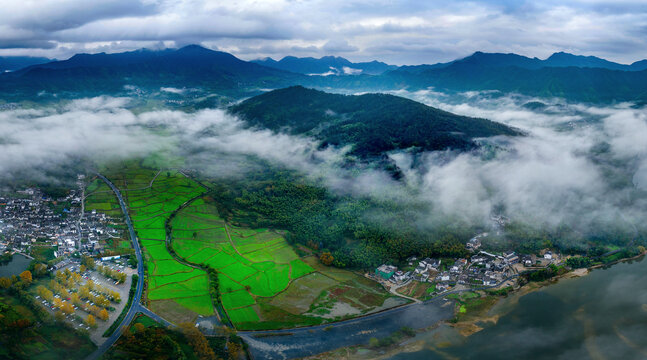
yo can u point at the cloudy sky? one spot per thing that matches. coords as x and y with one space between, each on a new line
399 32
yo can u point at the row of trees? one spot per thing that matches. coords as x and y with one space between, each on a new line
111 273
22 281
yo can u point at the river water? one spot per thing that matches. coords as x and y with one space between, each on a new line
301 342
18 264
600 316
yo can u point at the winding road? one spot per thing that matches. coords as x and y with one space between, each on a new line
135 306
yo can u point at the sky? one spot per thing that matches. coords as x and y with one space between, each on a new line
397 32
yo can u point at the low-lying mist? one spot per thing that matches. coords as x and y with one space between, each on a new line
579 165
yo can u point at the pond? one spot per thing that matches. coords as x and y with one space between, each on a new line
18 264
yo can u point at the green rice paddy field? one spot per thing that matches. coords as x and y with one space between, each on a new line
251 263
263 282
152 196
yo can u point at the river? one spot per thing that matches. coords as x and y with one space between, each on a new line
18 264
301 342
600 316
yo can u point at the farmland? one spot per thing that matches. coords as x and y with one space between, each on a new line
99 197
251 263
263 283
152 197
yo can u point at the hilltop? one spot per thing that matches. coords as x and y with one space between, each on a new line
372 123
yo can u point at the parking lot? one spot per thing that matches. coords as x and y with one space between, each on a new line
102 285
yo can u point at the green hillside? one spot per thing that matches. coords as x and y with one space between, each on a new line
372 123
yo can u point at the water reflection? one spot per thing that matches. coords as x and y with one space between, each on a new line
18 264
600 316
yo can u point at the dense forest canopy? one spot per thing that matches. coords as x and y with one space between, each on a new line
372 123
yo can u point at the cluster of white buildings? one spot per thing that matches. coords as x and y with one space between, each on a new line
31 218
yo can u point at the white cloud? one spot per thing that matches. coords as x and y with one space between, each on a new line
562 171
398 32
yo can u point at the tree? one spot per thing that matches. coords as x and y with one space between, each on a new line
67 308
234 350
48 295
326 258
75 299
84 292
57 302
40 269
82 269
198 342
41 290
139 328
25 276
59 316
102 301
103 314
88 261
91 321
5 282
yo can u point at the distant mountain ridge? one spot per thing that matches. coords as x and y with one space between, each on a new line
575 78
11 63
190 66
327 65
558 59
529 76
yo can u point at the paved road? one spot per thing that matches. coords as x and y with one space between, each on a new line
144 310
135 307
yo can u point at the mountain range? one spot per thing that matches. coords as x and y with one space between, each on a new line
575 78
558 59
190 66
514 73
327 65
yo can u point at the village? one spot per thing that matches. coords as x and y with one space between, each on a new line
88 281
482 270
29 219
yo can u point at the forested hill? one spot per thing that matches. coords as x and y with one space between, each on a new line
586 84
372 123
190 66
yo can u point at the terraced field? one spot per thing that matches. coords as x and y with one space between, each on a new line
263 283
251 263
152 196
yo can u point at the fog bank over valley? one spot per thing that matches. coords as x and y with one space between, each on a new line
578 165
